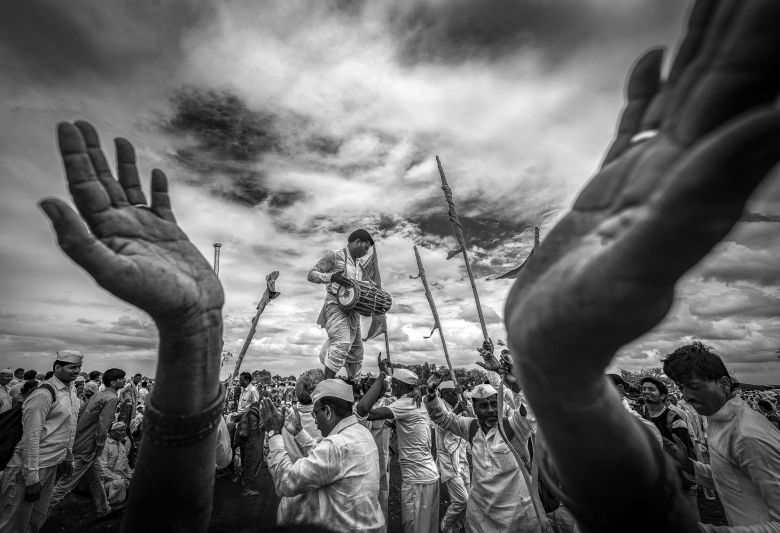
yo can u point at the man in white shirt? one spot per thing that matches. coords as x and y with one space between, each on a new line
744 447
344 347
249 395
453 465
307 382
44 450
420 488
499 499
339 475
377 395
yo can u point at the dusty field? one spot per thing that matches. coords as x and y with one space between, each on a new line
233 513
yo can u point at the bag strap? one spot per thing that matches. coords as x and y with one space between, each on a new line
49 388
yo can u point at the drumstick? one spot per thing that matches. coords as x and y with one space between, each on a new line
458 229
436 322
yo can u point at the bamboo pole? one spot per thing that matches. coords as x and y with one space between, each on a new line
269 294
437 322
458 229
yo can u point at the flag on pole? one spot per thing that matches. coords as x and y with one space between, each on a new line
371 273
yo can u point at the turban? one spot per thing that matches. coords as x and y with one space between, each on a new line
446 385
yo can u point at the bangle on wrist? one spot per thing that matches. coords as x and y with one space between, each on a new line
169 430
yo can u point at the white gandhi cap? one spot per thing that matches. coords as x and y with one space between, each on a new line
406 376
333 388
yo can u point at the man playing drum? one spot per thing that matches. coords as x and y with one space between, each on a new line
344 346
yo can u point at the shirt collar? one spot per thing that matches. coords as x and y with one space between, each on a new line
728 411
343 424
59 385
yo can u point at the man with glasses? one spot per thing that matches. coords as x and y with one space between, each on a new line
339 476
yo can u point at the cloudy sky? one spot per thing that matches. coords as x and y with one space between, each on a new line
283 126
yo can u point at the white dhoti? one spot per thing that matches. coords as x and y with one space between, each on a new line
344 346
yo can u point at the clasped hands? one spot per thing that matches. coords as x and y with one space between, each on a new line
275 420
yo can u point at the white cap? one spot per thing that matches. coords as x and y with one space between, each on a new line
446 385
70 356
406 376
333 388
7 371
483 391
118 425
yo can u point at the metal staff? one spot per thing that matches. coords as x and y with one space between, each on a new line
436 322
269 294
458 229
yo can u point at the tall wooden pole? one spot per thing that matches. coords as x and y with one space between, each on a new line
458 229
436 322
269 294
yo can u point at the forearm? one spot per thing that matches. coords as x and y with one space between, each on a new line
318 277
371 397
445 419
174 483
589 408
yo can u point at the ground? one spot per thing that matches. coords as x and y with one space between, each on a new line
233 512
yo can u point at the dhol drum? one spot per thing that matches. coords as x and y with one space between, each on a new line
364 297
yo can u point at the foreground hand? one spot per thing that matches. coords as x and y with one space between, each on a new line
32 492
606 272
272 418
139 254
338 277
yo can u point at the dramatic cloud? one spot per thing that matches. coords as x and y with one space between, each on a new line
284 126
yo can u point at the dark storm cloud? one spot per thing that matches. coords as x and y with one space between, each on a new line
51 41
461 30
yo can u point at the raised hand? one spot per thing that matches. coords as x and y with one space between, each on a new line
134 250
292 421
489 361
272 418
688 153
384 365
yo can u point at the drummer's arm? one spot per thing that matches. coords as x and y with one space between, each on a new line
381 413
322 270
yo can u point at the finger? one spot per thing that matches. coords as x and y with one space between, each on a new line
695 31
87 191
127 172
738 69
77 242
701 200
99 163
643 84
480 363
161 202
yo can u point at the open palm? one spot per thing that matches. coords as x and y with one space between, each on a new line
606 272
136 252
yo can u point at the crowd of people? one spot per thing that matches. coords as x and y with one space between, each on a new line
555 445
64 428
